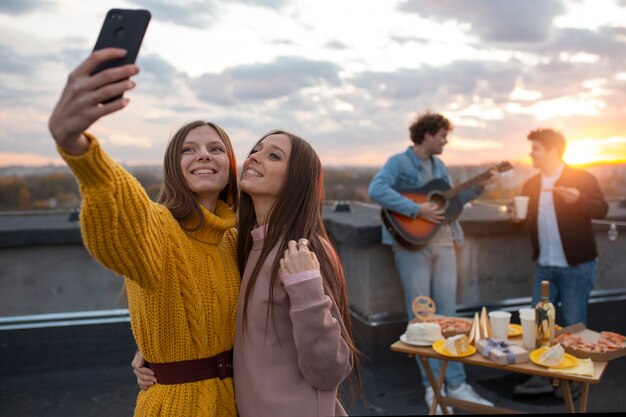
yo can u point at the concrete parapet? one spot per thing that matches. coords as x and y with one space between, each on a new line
494 264
44 268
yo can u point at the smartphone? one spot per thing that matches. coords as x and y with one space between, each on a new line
125 29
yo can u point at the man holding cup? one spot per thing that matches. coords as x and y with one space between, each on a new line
559 205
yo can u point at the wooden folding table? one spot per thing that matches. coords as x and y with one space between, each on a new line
423 353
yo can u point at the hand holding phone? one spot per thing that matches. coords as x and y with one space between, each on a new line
124 29
80 104
87 95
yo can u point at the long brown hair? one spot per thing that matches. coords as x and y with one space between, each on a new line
176 195
296 213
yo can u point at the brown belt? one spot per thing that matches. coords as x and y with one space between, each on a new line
218 366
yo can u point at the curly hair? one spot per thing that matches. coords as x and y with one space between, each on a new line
428 123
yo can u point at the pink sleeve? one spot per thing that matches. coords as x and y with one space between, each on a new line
324 357
290 279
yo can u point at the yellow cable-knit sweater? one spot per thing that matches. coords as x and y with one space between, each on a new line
182 286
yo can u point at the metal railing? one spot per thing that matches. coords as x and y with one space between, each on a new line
468 310
81 318
75 318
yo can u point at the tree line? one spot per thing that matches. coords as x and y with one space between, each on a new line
59 190
55 190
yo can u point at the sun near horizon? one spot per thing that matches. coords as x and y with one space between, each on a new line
590 151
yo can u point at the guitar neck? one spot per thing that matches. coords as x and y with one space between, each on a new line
452 192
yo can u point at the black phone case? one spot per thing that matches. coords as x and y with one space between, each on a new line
125 29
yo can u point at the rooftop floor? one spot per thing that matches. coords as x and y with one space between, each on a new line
85 371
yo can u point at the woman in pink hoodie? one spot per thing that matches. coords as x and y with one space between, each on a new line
293 343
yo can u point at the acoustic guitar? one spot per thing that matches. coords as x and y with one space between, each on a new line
415 233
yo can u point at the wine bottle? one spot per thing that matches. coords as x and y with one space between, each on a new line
544 317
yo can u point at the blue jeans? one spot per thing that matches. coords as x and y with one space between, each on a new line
570 286
431 271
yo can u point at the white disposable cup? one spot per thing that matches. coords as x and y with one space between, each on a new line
499 321
527 318
528 313
521 206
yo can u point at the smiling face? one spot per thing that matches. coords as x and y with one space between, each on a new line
265 170
436 142
204 164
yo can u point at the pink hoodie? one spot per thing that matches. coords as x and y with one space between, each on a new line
294 364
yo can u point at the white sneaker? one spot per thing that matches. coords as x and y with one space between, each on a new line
465 392
430 395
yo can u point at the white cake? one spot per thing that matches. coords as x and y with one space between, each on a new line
457 345
553 356
423 333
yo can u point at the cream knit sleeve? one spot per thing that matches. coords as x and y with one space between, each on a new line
121 227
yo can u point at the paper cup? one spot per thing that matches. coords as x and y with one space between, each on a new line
527 318
499 321
521 206
528 313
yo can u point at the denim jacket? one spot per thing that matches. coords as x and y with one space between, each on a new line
403 172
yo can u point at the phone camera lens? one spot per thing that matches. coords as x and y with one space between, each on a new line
116 16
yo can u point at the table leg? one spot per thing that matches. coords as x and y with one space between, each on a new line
567 396
584 395
435 384
442 374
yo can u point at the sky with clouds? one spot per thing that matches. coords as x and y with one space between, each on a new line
349 76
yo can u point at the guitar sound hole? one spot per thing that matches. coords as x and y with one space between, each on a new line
438 199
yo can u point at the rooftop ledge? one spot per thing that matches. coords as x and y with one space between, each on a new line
356 222
494 265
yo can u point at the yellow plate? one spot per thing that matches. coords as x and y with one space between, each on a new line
438 347
569 361
515 330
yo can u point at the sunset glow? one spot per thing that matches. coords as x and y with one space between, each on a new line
590 151
28 159
351 92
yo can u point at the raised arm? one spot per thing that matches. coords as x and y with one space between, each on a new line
79 106
120 226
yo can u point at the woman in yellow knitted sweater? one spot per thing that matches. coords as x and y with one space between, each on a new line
178 258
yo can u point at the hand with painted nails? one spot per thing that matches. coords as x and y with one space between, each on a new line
298 258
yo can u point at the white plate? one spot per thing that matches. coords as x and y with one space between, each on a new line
404 340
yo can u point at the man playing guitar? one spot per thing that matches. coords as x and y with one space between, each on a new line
430 268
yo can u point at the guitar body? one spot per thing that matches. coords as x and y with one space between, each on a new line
415 233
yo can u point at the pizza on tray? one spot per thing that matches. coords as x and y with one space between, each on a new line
608 342
452 325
